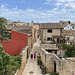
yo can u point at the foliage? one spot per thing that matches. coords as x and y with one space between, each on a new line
15 63
43 68
4 62
53 73
69 50
4 34
57 36
45 39
38 60
38 57
9 64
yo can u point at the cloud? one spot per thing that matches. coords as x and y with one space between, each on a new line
62 11
65 0
61 4
28 14
67 4
2 6
47 1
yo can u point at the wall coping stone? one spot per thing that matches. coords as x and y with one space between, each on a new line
24 50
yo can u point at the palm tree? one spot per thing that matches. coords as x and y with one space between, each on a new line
3 31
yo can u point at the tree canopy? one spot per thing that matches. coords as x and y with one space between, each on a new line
69 50
3 32
9 64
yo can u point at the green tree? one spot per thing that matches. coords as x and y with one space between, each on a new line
4 62
15 63
9 64
69 50
3 32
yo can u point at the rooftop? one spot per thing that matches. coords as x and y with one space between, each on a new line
51 25
69 32
24 31
72 25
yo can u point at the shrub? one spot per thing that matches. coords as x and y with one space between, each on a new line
9 64
54 73
69 50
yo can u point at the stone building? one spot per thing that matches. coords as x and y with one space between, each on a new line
64 23
35 32
54 63
51 48
69 36
47 30
70 27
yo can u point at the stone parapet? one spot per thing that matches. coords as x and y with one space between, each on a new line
25 54
53 63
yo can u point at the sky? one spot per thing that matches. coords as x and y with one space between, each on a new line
41 11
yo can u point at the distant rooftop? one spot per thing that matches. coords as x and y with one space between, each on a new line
24 31
50 25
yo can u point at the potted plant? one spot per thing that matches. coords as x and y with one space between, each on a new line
53 52
44 40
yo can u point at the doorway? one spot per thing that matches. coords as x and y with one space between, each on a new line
54 66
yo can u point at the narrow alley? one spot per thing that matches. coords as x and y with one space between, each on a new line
31 67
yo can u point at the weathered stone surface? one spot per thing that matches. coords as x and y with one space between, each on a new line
63 66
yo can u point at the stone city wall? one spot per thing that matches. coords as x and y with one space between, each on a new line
47 59
25 54
68 66
63 66
48 45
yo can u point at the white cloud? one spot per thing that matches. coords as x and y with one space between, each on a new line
2 6
60 4
16 14
54 15
47 1
65 0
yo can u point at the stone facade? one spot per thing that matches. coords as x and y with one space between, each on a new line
44 34
25 53
47 60
35 32
70 39
68 32
64 23
30 41
63 66
49 46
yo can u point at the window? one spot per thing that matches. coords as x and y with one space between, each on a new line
49 39
72 27
49 31
63 22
